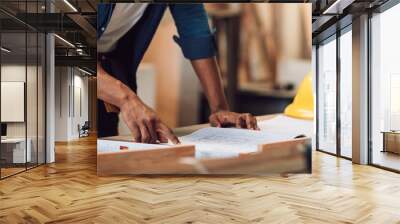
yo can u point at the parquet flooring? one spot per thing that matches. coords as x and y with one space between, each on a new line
10 171
69 191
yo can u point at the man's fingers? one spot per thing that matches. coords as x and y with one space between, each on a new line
218 123
135 132
238 122
255 125
214 121
152 131
166 132
249 124
144 133
162 138
241 121
232 119
224 119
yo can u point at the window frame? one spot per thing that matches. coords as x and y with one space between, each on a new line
334 37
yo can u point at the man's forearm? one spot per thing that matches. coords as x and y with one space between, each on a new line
210 79
141 120
111 90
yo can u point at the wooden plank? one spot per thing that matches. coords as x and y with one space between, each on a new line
281 157
141 161
285 148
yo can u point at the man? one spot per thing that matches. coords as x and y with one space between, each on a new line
124 33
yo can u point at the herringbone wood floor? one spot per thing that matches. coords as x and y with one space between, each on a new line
70 192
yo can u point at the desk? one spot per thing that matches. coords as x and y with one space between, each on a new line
391 141
13 150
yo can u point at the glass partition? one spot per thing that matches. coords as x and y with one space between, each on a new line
327 96
22 88
385 89
346 93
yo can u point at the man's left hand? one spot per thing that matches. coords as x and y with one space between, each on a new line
232 119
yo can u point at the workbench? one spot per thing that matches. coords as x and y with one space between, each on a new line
291 156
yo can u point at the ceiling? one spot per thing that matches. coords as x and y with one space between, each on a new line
332 15
72 20
75 21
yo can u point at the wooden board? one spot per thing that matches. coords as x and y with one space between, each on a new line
292 156
154 161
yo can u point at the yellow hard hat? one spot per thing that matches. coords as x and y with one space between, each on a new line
303 104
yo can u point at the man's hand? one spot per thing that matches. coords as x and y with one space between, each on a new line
141 120
208 72
232 119
144 124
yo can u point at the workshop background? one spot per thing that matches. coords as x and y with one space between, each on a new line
264 51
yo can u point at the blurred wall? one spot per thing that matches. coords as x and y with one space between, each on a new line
165 55
288 27
177 91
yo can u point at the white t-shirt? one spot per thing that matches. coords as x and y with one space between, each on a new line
123 18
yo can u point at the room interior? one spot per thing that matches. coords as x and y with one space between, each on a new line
48 69
28 100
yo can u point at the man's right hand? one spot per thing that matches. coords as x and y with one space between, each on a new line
144 124
142 121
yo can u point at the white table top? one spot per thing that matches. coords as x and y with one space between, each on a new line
13 140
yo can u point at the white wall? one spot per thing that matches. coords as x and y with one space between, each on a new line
70 83
80 83
61 103
16 72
